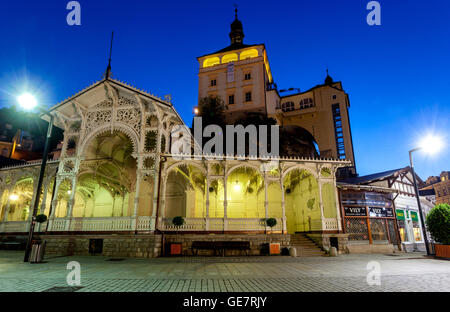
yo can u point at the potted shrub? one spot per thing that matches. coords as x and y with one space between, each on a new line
438 223
271 222
176 248
274 248
41 218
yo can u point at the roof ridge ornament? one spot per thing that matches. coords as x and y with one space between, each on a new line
108 68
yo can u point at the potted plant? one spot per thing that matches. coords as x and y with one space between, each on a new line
41 218
438 223
176 248
274 248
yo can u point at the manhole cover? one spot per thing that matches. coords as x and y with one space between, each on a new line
115 259
64 289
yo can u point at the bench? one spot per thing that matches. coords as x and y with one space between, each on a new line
8 245
220 246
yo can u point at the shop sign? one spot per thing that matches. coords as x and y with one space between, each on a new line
380 212
400 214
414 216
355 211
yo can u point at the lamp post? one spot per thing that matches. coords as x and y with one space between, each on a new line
28 102
429 145
416 190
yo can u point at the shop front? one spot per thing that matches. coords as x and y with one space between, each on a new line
410 230
369 219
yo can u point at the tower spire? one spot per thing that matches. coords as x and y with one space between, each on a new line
237 31
108 69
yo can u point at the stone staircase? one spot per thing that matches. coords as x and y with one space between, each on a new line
305 246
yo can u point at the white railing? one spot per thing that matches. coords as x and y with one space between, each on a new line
190 224
220 224
329 224
16 227
145 224
58 224
101 224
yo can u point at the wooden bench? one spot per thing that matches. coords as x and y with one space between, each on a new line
220 246
9 245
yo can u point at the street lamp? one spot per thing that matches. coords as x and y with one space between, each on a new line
28 102
430 145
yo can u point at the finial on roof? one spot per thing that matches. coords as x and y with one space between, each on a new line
237 31
108 69
328 79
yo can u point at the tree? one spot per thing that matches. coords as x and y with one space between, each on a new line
438 223
211 109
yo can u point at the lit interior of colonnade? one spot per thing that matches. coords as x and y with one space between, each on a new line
106 181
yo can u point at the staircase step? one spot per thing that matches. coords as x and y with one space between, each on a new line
305 246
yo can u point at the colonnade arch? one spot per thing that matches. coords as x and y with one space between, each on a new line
302 201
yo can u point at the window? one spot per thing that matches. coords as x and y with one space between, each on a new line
277 105
212 61
248 97
339 134
231 99
306 103
248 76
288 106
334 96
213 82
248 54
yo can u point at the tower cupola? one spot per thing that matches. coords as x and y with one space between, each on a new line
237 31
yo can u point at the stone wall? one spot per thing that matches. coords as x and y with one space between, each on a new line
323 241
138 246
256 242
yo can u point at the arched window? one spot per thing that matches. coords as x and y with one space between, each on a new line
249 54
211 61
231 57
287 106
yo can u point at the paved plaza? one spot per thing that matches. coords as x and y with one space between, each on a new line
399 273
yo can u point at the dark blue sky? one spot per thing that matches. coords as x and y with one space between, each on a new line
397 74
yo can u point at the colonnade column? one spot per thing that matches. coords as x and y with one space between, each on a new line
266 198
207 203
72 197
34 198
44 197
322 216
283 208
225 203
136 199
8 204
71 202
338 210
155 200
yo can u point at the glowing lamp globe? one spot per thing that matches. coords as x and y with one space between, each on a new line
27 101
431 144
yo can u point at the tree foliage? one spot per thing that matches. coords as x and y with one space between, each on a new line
438 223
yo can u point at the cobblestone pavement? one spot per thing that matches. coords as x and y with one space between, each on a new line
399 273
